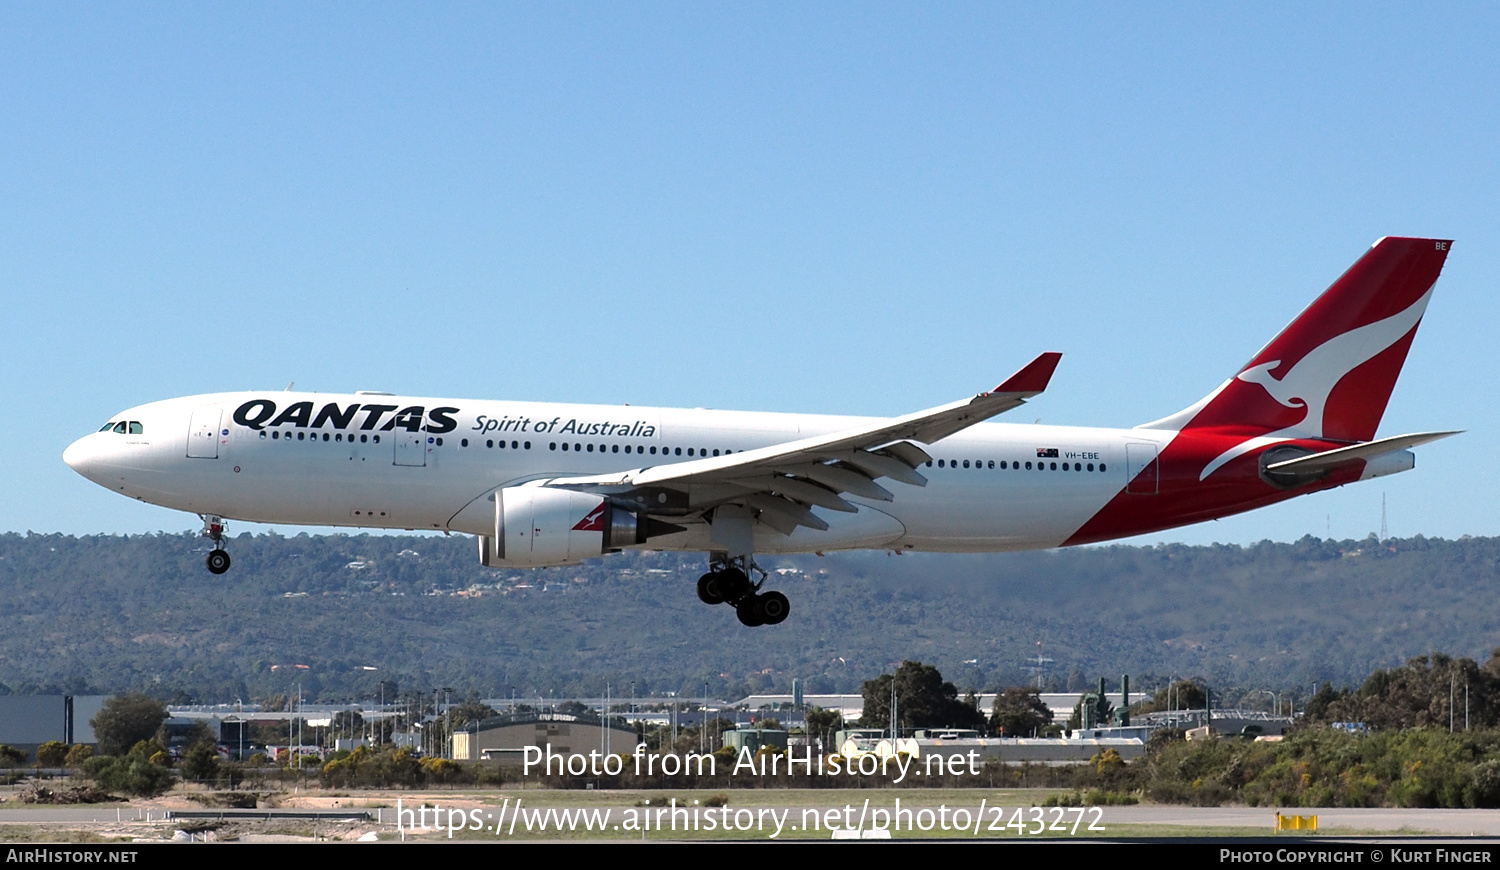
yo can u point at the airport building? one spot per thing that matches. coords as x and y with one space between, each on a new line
506 738
28 721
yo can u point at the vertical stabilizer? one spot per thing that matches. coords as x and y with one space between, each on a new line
1330 372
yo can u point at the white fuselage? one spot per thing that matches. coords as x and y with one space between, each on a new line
404 462
550 484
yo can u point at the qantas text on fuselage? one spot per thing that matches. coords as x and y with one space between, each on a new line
542 484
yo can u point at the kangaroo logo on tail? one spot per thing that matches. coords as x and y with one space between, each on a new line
1336 363
1309 382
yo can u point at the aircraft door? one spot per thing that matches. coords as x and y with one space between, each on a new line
1141 469
203 432
411 447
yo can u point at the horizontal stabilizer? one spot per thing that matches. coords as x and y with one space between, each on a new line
1329 459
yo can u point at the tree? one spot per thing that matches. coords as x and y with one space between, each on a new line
1019 712
1427 692
125 720
132 773
1318 705
201 762
469 711
822 723
52 753
78 754
923 700
1181 695
573 708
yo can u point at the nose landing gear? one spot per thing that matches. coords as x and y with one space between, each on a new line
218 557
728 582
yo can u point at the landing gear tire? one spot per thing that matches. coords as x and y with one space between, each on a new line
734 585
218 562
775 607
710 589
728 582
751 611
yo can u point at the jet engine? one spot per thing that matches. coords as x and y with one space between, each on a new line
539 526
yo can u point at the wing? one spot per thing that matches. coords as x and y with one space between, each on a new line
784 481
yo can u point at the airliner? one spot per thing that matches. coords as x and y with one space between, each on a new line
542 484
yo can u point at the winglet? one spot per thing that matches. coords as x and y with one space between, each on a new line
1034 377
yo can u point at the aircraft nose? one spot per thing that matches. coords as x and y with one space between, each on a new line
83 457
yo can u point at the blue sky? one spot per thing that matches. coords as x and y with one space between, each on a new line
845 208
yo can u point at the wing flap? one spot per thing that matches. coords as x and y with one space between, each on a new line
799 490
843 479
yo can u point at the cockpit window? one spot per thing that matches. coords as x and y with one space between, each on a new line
107 426
120 427
135 427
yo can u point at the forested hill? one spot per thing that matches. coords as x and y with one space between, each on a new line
112 613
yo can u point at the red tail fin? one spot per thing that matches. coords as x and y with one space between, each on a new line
1330 372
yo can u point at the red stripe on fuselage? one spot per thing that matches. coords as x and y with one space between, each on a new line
1182 499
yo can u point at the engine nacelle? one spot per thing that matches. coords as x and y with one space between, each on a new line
538 527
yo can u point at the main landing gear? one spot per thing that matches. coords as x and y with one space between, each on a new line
728 582
218 557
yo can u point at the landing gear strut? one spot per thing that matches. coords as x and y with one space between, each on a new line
218 557
728 582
